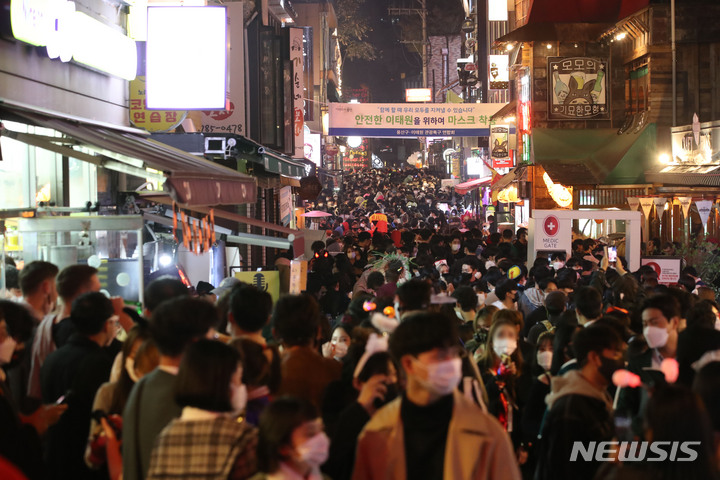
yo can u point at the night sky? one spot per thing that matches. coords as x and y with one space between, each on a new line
383 75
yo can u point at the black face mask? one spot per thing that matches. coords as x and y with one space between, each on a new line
610 366
392 393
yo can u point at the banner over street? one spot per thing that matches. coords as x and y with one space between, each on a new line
412 120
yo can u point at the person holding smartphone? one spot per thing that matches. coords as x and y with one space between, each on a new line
376 382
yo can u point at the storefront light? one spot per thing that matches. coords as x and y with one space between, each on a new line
354 142
664 158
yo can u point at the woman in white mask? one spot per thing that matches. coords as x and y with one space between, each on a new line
138 357
292 443
338 345
208 440
500 367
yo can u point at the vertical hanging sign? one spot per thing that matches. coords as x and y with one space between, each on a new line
660 205
704 207
633 202
685 203
646 203
296 58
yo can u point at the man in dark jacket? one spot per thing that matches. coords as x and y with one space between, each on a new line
580 407
75 371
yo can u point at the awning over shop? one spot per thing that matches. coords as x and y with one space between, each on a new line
463 188
506 111
196 179
513 175
594 156
584 11
272 161
547 31
691 175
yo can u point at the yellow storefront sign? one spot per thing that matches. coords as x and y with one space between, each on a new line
266 281
151 120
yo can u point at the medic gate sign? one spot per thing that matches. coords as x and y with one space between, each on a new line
551 232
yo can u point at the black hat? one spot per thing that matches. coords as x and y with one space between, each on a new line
204 288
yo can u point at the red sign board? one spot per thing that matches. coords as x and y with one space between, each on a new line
470 67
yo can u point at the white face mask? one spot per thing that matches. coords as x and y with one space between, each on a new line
489 264
314 451
544 359
656 337
717 323
504 346
558 265
442 377
239 398
7 348
130 369
455 247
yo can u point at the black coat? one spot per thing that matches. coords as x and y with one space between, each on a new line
572 418
76 370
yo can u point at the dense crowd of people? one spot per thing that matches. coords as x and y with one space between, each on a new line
425 347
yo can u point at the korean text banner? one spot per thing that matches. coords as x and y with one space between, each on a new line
408 120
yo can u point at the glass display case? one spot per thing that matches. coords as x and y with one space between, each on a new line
112 244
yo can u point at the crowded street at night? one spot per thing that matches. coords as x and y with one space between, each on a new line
360 240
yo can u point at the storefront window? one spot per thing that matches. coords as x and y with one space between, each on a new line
29 175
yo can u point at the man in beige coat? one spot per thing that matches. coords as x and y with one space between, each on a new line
432 432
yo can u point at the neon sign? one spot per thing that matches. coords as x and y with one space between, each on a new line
524 116
71 35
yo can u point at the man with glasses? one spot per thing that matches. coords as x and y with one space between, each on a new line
72 374
432 431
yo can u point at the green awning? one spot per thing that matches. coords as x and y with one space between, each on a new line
272 161
594 156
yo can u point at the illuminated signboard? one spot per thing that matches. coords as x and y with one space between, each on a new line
499 73
524 116
577 88
418 95
191 76
71 35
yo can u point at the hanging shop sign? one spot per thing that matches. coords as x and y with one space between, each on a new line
685 203
499 150
71 35
577 89
191 77
499 72
704 207
633 203
286 205
151 120
646 203
406 120
296 59
524 116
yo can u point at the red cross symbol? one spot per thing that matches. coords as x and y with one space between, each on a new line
551 225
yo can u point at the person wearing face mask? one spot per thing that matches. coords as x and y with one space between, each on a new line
432 431
701 335
139 356
73 374
20 435
292 444
207 441
534 409
660 318
502 368
579 406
